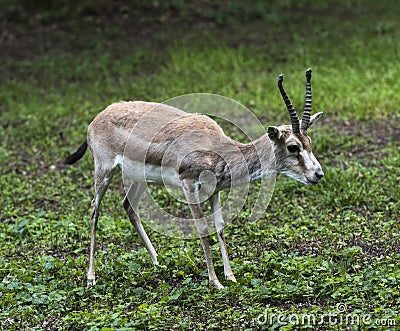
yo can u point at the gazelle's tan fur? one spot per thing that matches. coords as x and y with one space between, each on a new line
157 143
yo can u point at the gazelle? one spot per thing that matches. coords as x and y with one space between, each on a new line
175 147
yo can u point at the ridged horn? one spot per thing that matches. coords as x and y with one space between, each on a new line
292 112
305 122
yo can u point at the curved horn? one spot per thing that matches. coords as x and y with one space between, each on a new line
305 122
292 112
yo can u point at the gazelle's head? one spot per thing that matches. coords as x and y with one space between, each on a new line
294 156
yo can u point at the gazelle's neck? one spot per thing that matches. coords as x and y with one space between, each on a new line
257 160
260 158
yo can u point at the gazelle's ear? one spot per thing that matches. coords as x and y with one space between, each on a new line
274 133
314 118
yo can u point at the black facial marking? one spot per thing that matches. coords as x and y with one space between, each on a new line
301 161
305 141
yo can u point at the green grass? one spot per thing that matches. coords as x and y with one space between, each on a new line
315 247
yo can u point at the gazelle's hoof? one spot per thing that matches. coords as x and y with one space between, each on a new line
91 282
216 284
232 278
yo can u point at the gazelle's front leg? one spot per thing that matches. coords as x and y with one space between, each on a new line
193 200
219 226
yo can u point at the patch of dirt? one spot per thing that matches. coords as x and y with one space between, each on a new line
30 32
380 134
375 137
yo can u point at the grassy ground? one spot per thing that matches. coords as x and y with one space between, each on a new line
329 250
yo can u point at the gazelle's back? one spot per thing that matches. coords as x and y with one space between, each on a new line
160 122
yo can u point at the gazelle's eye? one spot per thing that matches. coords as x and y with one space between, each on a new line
293 149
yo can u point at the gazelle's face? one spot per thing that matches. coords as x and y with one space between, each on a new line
294 156
293 153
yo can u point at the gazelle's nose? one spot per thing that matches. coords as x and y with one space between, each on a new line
319 174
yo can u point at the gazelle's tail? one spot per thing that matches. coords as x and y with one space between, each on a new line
77 155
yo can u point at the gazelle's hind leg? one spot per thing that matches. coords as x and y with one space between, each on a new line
102 178
130 204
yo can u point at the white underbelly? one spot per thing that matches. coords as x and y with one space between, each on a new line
139 172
